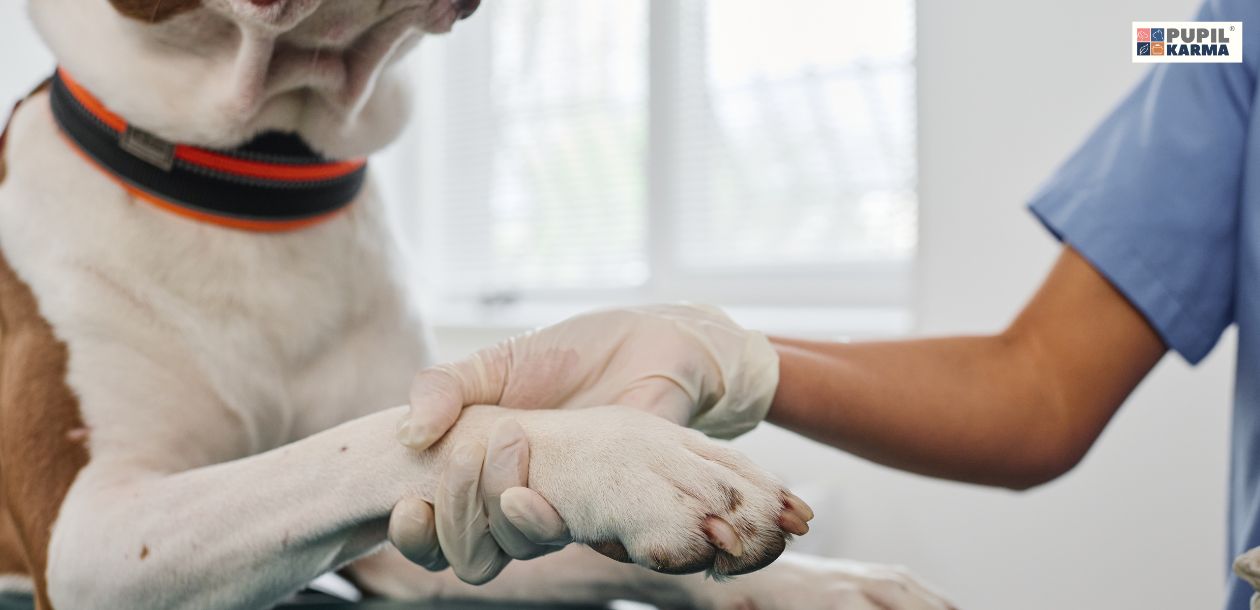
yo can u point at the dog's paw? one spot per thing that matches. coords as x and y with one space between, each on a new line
641 489
798 581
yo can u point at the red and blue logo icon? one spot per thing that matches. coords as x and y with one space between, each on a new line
1150 41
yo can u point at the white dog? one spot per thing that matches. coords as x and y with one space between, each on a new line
197 340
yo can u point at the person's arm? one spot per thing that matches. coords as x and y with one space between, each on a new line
1015 409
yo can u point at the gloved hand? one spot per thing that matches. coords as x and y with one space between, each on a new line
689 364
484 517
1247 567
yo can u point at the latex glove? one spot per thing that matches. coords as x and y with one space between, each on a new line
481 532
1247 567
484 515
794 582
690 364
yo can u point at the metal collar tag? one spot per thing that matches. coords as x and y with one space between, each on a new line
149 148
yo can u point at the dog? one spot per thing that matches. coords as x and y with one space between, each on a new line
203 324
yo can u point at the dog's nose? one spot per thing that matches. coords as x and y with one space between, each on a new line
263 2
465 8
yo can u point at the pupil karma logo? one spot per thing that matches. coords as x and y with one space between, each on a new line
1187 42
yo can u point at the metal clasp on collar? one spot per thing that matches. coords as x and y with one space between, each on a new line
148 148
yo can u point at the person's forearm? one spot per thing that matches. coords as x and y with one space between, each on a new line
1015 409
970 409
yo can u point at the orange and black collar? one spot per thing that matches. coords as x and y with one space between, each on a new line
273 183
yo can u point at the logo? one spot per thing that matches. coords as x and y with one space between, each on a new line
1195 42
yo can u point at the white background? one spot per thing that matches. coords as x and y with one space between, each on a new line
1141 523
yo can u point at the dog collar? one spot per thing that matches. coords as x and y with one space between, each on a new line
273 183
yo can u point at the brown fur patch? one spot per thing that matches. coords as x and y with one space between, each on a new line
687 491
154 11
734 498
612 549
39 422
12 555
4 137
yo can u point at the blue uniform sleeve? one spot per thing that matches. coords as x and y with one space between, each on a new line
1152 197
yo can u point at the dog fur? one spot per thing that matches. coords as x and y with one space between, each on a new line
191 416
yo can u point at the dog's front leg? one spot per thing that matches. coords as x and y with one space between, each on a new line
244 534
241 534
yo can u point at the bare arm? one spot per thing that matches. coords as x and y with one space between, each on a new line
1015 409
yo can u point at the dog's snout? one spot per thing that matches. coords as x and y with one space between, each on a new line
263 2
465 8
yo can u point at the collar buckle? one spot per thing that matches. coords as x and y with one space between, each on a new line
148 148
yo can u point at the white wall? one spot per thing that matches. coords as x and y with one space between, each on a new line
1006 90
26 62
1140 524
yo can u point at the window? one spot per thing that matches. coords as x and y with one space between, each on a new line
613 151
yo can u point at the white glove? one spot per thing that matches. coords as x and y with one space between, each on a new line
800 581
689 364
484 517
1247 567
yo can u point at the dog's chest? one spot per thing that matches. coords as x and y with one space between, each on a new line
257 339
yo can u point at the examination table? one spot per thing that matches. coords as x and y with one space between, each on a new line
9 602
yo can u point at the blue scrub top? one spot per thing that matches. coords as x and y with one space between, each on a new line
1164 200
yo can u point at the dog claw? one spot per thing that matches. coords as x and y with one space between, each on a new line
798 506
793 524
723 536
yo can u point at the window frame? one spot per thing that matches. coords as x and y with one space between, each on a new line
861 290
